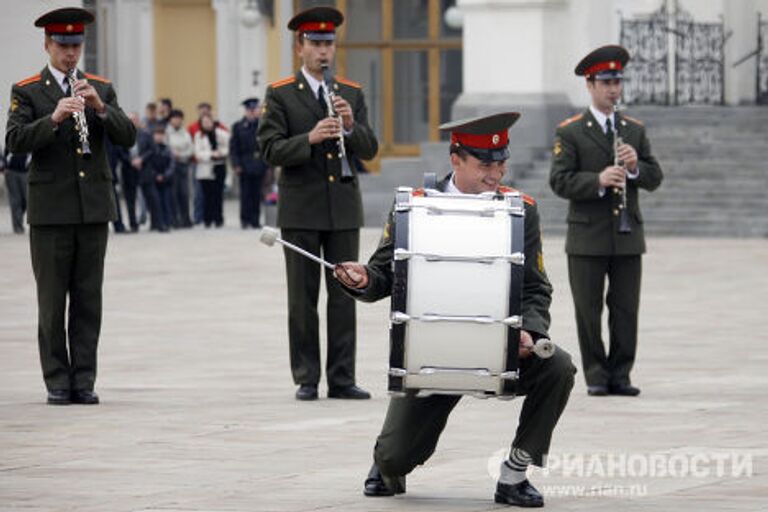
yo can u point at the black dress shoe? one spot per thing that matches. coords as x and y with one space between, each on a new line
58 397
623 390
349 393
85 397
379 485
597 390
307 392
520 495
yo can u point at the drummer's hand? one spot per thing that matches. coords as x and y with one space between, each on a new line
351 274
526 345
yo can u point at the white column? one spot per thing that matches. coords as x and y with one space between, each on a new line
516 55
741 81
227 58
133 43
286 50
252 40
241 60
504 43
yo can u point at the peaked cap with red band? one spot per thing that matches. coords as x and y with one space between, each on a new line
65 26
485 138
317 24
604 63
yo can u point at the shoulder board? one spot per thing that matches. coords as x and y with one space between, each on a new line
347 81
97 78
528 199
29 80
570 120
282 82
636 121
419 192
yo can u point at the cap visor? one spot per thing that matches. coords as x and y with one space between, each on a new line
68 38
489 155
320 36
608 75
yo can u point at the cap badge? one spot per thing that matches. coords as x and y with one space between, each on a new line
612 65
70 28
495 139
322 25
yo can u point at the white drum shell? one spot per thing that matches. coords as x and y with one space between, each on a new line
447 355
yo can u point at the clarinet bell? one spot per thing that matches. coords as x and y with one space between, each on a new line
346 171
624 227
85 150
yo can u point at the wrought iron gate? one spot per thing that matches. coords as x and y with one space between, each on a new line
646 81
699 61
698 51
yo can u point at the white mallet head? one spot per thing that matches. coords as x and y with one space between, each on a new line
544 348
269 235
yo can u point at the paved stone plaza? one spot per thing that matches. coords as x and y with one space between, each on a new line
198 412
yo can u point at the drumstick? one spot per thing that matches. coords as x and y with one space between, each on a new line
270 235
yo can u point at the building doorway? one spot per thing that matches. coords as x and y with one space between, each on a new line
409 62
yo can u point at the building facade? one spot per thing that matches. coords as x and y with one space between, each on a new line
421 62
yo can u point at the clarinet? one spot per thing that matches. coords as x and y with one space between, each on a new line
81 124
346 171
624 226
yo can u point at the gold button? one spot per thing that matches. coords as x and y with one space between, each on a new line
615 213
329 156
617 191
79 151
621 207
331 178
82 174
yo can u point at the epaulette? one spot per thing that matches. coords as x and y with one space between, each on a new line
419 192
282 82
503 189
636 121
97 78
570 120
29 80
347 81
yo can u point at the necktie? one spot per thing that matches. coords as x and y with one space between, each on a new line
321 99
609 130
67 88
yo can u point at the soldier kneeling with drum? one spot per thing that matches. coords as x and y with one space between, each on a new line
429 390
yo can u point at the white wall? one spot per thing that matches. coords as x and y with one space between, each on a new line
587 24
22 53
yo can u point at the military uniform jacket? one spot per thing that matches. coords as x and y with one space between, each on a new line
537 291
581 152
65 188
311 193
244 151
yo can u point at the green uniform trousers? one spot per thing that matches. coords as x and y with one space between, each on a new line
413 425
303 276
68 262
587 277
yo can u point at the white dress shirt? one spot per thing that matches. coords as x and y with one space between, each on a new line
315 84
